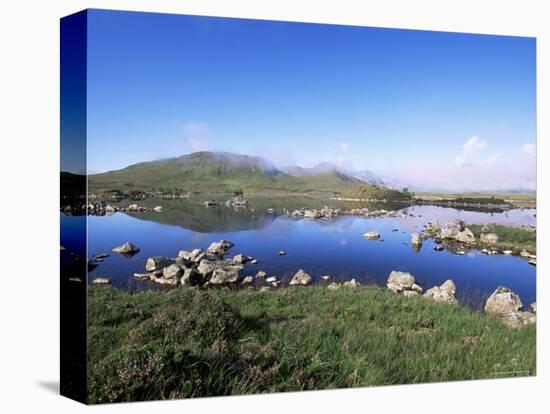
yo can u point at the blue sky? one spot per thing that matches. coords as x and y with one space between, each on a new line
428 109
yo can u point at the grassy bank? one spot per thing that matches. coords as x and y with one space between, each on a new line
509 238
190 343
375 192
514 199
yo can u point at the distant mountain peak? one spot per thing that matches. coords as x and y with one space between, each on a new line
327 167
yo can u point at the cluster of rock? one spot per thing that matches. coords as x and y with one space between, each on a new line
209 268
330 212
455 229
458 238
404 283
236 202
503 302
325 212
351 284
100 208
197 267
506 305
376 213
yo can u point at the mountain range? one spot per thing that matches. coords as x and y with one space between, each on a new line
327 167
224 172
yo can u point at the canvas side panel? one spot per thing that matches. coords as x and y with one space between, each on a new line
73 183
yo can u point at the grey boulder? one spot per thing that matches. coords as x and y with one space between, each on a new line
157 262
502 301
301 278
126 248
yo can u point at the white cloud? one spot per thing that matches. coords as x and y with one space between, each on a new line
470 149
491 159
529 149
474 169
196 136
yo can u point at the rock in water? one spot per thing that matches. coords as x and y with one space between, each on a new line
452 228
300 278
502 301
489 238
157 262
196 255
465 236
311 214
241 258
415 239
171 272
164 280
207 267
372 235
158 209
433 227
126 248
226 274
101 281
191 278
220 247
533 307
141 276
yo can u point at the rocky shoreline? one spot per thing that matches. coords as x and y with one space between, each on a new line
210 268
457 237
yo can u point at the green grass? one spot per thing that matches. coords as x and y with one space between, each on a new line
510 238
375 192
192 343
515 199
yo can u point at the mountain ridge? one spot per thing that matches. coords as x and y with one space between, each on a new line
206 171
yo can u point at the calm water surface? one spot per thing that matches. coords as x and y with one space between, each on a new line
334 247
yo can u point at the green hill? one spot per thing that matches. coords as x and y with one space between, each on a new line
216 172
375 192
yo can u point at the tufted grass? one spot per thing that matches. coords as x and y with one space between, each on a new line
194 343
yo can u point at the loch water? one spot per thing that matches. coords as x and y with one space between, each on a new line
326 246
